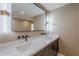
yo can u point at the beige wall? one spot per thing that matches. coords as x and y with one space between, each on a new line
65 20
7 37
40 22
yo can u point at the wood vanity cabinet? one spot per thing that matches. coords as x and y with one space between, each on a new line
51 50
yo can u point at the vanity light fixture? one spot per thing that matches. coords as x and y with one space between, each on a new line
4 12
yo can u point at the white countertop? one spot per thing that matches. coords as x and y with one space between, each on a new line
23 48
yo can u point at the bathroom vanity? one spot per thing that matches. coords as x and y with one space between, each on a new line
50 50
35 46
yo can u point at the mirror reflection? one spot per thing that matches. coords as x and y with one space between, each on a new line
27 17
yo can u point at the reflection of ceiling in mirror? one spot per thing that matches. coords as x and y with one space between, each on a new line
25 10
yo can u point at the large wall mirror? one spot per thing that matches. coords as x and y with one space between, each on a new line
28 17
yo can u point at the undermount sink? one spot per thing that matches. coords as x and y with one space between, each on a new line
30 44
23 48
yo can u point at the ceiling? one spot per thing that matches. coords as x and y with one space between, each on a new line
52 6
29 10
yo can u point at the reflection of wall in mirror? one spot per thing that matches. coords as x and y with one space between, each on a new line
20 25
40 22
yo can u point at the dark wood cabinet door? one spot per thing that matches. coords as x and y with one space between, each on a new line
43 52
51 50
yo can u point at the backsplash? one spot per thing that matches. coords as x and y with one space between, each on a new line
14 35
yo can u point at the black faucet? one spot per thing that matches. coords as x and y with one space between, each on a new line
25 37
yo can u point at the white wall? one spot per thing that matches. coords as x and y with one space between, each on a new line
65 20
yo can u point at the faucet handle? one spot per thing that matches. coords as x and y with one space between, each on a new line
26 36
23 36
18 37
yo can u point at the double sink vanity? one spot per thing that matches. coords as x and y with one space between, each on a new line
35 46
